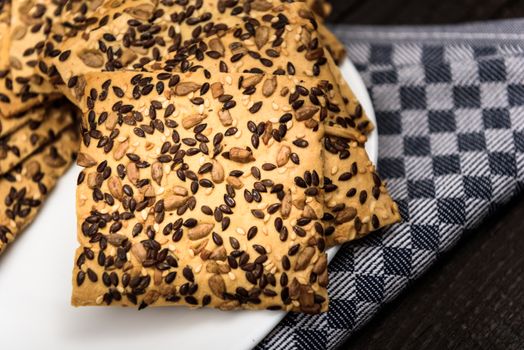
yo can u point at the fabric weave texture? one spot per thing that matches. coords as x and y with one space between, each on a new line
449 103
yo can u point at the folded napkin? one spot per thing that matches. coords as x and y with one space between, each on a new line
449 102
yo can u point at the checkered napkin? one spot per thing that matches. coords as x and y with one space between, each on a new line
450 112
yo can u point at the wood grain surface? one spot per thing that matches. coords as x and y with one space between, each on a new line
474 297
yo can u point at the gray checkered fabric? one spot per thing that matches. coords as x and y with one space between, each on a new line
450 114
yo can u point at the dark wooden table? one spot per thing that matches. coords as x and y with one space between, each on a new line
474 297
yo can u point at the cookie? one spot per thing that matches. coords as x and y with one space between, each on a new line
272 38
356 200
24 189
200 190
10 103
352 107
30 25
281 40
42 125
92 38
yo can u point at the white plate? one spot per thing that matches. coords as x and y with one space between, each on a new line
35 289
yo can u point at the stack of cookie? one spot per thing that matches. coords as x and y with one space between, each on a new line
223 152
38 139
